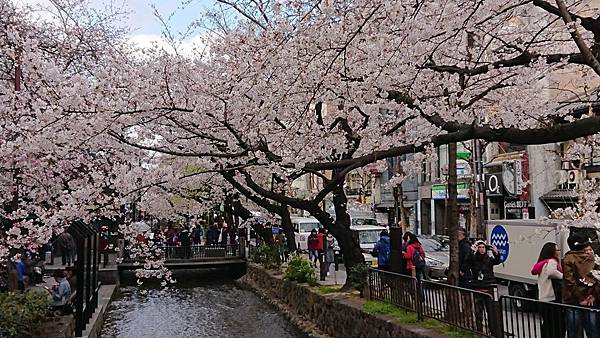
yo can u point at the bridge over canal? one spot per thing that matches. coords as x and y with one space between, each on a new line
230 257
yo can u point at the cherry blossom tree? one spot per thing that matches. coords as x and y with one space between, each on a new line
285 90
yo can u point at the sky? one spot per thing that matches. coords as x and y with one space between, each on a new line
145 27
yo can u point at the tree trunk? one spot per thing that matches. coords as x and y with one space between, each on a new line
282 210
404 221
288 228
340 229
473 221
452 220
228 210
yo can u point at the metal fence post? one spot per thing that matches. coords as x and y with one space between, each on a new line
418 300
497 315
369 280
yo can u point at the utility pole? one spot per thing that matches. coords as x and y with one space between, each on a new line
452 219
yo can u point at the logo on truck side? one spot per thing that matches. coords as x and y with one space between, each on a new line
499 238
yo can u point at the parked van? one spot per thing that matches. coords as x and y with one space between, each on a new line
368 235
302 228
519 243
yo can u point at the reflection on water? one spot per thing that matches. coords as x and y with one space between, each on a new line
213 310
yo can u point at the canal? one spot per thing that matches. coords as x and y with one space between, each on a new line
198 307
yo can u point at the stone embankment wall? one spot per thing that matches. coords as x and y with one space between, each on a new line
57 327
325 315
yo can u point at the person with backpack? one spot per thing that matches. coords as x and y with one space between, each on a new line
382 251
415 257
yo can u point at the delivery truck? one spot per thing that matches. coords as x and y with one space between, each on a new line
520 242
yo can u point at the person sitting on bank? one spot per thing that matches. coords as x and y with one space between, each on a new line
61 293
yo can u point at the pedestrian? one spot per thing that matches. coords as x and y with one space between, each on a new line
480 270
61 293
415 257
465 251
405 239
21 272
232 236
70 276
212 235
198 234
224 234
381 250
579 287
321 249
549 274
329 251
104 244
186 242
67 245
313 246
281 241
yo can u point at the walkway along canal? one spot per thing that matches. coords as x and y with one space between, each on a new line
197 306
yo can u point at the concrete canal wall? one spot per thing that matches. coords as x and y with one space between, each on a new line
325 315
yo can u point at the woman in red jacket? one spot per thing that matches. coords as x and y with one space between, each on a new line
415 257
313 246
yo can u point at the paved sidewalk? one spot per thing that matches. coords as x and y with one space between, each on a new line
334 277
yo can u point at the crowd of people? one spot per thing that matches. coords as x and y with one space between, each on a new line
180 242
572 281
321 249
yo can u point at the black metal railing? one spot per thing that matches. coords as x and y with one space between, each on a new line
528 318
199 252
467 309
463 308
393 288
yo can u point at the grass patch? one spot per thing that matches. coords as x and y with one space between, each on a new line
327 289
409 317
383 308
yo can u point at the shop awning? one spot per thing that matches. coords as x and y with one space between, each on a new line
499 159
561 195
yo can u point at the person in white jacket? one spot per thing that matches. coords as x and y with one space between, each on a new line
549 272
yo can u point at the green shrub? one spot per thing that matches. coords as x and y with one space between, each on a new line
21 313
357 277
300 270
267 255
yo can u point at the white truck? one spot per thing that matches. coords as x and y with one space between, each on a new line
519 243
302 228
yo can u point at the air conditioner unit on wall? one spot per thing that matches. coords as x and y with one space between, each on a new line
572 165
574 178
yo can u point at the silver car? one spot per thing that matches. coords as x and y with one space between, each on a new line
437 257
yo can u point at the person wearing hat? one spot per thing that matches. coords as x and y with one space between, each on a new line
480 274
579 287
61 293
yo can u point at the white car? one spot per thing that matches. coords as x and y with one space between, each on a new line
302 228
368 235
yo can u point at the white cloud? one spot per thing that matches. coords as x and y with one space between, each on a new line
194 47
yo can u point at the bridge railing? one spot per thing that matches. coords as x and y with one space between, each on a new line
202 251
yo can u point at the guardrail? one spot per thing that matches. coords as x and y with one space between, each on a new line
480 312
467 309
393 288
202 251
547 319
463 308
